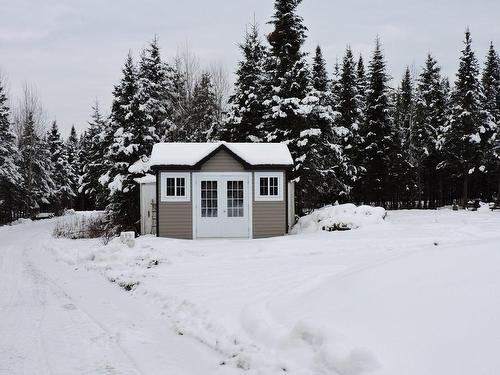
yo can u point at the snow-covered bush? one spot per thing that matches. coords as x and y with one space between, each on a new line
81 224
338 217
21 221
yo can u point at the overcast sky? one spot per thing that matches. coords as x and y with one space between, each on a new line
73 51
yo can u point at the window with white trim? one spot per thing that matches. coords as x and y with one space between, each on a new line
268 186
175 187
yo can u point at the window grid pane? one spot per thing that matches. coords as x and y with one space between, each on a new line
180 186
264 189
170 187
235 199
273 186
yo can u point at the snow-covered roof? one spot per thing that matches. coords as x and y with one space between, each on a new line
147 179
189 154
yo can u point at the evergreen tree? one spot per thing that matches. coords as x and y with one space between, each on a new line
431 101
74 167
61 170
128 151
156 94
319 76
491 104
245 118
324 168
377 132
466 123
93 161
287 105
403 167
36 168
361 86
347 106
10 177
287 78
202 122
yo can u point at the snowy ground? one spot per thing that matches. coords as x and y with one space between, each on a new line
417 294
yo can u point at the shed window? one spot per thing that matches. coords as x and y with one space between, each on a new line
175 187
268 186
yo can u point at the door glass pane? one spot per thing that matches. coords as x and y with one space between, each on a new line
235 199
208 198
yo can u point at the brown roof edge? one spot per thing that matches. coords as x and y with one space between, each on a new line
196 167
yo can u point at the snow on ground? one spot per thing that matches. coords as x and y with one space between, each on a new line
415 294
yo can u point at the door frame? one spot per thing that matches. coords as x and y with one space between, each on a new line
196 176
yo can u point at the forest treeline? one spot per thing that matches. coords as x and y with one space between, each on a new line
354 136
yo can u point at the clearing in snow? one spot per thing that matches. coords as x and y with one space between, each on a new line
417 293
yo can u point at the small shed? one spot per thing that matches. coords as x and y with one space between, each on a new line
222 190
147 191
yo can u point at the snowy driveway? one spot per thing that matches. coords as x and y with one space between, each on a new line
56 319
419 294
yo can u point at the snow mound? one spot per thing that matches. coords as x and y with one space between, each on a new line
344 216
21 221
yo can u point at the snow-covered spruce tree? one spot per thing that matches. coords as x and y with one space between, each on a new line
82 200
244 120
361 86
202 124
323 174
128 152
10 177
348 107
93 161
74 167
61 169
287 87
156 94
36 167
490 81
403 166
287 77
377 133
466 123
431 101
356 156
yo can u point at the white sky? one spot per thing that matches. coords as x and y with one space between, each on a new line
73 51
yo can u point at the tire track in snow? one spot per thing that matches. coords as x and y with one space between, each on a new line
38 331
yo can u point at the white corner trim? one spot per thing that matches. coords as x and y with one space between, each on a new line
163 186
268 198
250 205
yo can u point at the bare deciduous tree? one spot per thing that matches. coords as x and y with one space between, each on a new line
221 87
188 64
29 104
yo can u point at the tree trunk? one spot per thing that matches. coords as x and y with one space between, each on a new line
465 190
498 188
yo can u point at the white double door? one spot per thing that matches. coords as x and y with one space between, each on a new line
221 205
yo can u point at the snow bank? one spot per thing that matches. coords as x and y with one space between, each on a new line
344 216
21 221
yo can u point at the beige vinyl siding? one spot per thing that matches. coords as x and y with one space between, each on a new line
175 219
222 161
269 217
